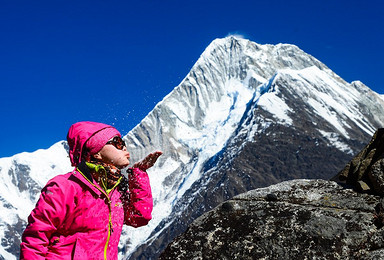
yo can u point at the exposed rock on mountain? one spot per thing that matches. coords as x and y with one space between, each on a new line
300 219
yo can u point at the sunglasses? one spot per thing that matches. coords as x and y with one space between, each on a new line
117 142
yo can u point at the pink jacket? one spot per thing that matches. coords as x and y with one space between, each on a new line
76 219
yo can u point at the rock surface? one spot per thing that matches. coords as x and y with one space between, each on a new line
304 219
365 172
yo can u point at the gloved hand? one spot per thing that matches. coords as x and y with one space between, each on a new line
148 161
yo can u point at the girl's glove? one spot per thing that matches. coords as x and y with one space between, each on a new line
148 161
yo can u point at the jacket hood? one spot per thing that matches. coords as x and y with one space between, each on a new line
80 132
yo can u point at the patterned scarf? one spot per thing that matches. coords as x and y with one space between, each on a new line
105 174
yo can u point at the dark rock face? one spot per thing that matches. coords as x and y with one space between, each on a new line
12 239
23 181
302 219
365 172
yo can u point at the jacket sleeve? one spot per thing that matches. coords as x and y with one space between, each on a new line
43 221
139 209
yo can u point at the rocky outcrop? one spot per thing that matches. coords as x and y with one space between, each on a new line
365 172
303 219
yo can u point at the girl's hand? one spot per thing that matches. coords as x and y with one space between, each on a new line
148 161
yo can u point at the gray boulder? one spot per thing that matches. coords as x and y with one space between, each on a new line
302 219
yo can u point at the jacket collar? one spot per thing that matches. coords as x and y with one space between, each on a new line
86 171
83 174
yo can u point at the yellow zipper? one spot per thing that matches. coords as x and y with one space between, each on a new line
109 230
109 208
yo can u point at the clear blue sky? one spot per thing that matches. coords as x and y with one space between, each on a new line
112 61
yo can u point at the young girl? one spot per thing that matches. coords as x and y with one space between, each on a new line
80 214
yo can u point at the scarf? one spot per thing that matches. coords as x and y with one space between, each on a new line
106 175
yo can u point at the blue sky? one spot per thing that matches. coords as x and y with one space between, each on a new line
112 61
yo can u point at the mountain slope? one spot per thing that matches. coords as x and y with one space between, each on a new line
246 116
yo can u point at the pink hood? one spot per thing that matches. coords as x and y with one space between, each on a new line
79 133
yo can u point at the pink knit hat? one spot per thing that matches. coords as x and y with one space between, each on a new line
87 134
99 139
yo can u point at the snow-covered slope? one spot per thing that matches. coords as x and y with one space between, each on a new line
246 115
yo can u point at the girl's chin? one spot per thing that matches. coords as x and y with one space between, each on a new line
122 166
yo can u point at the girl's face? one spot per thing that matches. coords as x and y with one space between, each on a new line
114 153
